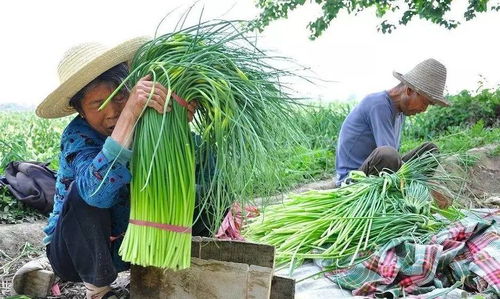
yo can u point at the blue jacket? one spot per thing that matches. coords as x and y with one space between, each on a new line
87 157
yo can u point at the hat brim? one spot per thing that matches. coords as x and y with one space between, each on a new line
56 104
434 100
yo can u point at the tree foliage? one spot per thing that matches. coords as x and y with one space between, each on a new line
431 10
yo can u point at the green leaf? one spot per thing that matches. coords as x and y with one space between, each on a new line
433 11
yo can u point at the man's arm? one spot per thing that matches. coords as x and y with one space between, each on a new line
380 119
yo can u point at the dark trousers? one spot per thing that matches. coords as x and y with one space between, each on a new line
388 158
81 249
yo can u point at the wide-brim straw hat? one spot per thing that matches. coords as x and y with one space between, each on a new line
79 66
427 79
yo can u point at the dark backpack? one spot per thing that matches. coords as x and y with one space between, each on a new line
32 183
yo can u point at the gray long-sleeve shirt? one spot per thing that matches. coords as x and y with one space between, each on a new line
372 123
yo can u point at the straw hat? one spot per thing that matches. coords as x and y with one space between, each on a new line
78 67
427 78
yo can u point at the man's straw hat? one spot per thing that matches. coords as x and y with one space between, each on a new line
78 67
428 79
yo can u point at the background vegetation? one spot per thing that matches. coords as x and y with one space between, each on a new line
473 120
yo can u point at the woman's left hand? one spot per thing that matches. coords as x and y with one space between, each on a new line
191 107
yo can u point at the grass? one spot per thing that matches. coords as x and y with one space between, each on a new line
13 211
495 152
458 139
27 137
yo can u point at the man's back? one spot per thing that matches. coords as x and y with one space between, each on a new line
372 123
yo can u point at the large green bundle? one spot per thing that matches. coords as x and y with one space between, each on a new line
243 115
346 224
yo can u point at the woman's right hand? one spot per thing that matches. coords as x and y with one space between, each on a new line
139 95
138 98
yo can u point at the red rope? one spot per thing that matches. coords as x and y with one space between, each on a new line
167 227
180 100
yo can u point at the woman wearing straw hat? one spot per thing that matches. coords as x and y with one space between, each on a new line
91 204
370 136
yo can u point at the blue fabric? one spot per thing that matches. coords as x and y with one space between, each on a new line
372 123
101 183
113 150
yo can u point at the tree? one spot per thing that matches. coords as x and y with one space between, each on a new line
431 10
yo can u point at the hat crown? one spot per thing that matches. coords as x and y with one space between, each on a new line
78 56
428 77
79 66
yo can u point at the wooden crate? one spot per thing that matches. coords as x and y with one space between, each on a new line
219 269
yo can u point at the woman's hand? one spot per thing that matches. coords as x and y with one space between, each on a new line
139 95
137 99
191 108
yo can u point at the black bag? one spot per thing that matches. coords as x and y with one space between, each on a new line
32 183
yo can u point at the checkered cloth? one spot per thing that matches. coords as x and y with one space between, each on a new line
465 255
